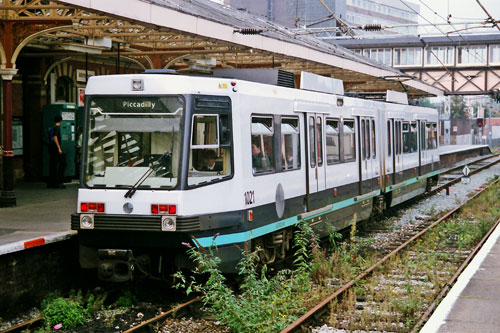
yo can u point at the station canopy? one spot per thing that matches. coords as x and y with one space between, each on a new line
189 36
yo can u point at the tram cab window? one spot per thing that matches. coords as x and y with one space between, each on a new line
349 141
131 138
332 131
208 159
290 143
262 145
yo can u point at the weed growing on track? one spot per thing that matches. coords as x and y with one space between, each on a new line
269 304
264 304
72 311
64 311
407 284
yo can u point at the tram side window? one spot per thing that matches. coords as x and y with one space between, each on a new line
389 138
374 142
428 136
208 160
434 136
312 142
319 140
413 137
423 145
367 139
409 137
406 138
332 141
397 136
349 141
363 144
290 143
262 145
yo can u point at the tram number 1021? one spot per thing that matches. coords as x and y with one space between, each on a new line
249 197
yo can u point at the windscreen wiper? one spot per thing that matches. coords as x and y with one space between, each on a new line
152 168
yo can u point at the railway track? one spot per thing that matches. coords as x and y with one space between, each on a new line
145 326
148 325
455 174
387 294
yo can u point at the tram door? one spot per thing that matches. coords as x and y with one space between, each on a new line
423 157
389 152
398 151
368 153
316 161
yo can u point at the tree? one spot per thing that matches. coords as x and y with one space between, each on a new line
458 109
426 102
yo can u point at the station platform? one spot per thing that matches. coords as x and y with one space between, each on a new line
42 216
473 303
452 155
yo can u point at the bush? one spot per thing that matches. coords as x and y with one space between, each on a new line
64 311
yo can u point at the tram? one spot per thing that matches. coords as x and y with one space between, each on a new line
170 158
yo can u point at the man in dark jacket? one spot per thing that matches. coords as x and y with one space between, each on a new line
57 158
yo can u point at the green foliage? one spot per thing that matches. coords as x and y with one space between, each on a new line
266 304
126 300
333 236
95 303
353 227
458 107
426 102
64 311
303 242
71 311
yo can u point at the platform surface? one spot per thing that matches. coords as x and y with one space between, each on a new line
42 216
450 149
473 304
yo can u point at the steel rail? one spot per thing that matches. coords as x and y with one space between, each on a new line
22 325
295 326
162 315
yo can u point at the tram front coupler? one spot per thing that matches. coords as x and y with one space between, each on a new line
115 265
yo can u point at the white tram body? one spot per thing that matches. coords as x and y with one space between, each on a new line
172 158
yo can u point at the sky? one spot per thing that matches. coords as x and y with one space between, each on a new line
461 11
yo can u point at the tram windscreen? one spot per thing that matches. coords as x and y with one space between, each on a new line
133 137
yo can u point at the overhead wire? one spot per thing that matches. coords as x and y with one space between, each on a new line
442 32
430 49
460 35
489 16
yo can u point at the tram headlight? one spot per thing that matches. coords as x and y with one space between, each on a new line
168 223
87 221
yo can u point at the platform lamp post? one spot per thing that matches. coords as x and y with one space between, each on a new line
7 195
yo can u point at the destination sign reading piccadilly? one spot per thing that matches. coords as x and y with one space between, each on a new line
138 104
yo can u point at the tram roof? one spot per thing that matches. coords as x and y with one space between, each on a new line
193 35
